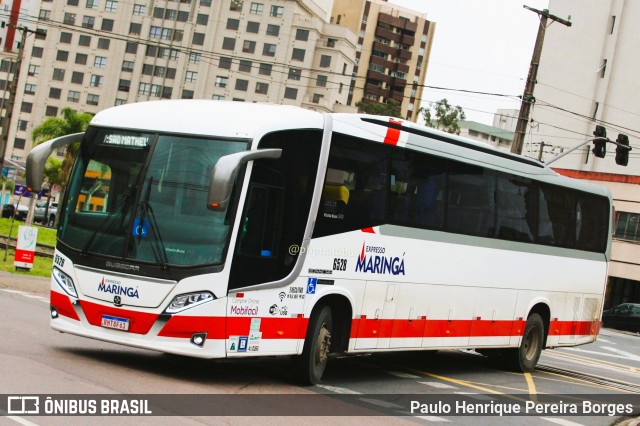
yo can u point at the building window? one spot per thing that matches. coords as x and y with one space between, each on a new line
194 57
22 124
249 46
218 97
297 54
92 4
124 85
54 93
72 2
107 25
144 89
127 66
35 70
321 81
81 59
84 40
69 19
317 97
183 16
277 11
302 35
245 66
147 69
205 3
198 39
96 81
77 77
202 19
191 77
233 24
325 61
88 22
290 93
265 69
273 30
256 8
627 226
132 47
225 63
62 56
228 43
100 62
236 5
294 74
139 10
187 94
26 107
120 102
19 143
51 111
29 89
58 74
242 85
262 88
37 52
159 71
111 6
331 42
253 27
93 99
269 49
222 81
65 37
156 90
167 92
135 28
103 43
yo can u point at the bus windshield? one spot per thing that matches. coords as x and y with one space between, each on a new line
143 196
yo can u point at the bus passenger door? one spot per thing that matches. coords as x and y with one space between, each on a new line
376 317
570 319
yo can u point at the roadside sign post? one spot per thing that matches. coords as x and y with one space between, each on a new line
25 247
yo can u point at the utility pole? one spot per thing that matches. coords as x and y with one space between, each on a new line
541 151
527 97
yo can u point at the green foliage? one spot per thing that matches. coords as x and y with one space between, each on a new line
54 127
444 117
392 108
53 171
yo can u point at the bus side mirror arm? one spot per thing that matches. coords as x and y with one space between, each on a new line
38 157
224 175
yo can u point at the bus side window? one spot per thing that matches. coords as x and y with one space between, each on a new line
515 212
471 200
556 216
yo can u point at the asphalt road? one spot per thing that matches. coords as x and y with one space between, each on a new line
34 359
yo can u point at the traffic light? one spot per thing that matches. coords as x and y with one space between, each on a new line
600 145
622 152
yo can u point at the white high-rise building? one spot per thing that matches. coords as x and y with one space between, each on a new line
588 76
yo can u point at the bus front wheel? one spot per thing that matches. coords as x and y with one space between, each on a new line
310 365
526 357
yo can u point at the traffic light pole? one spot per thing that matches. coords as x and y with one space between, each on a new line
581 144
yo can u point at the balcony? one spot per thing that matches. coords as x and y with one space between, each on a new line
398 22
387 34
375 75
375 90
385 48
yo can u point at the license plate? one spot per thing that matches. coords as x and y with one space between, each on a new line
115 322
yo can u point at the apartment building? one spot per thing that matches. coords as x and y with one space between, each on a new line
392 52
101 53
588 76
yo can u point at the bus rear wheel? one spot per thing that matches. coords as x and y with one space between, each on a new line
310 365
525 358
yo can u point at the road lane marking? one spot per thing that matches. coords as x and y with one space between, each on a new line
336 389
590 361
562 422
438 385
17 419
6 290
624 354
433 419
531 386
606 341
592 383
403 375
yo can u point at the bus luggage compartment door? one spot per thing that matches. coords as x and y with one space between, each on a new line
376 317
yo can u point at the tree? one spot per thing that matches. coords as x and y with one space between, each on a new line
53 174
445 116
54 127
392 108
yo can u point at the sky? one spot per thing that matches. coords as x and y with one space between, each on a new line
479 45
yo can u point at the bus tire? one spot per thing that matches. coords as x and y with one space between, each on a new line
310 365
525 358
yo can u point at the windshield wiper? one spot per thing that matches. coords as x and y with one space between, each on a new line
119 207
145 210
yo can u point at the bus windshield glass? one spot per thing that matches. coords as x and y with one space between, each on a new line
143 196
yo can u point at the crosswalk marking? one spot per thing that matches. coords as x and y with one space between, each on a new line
438 385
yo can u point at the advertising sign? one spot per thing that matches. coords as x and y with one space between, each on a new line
25 247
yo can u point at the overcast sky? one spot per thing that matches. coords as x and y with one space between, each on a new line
480 45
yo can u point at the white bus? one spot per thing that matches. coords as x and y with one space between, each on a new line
230 229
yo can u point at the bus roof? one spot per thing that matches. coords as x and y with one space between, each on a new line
248 120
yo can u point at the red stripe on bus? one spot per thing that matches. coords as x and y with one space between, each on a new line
185 327
271 328
63 305
393 135
139 322
368 230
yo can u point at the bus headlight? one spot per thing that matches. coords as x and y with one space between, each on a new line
189 300
65 282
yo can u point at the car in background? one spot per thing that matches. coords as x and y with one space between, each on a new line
623 317
41 210
9 210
